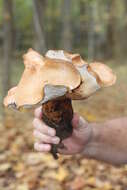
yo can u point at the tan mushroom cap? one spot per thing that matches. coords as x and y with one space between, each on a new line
10 98
58 74
94 75
88 86
76 59
39 72
64 55
103 74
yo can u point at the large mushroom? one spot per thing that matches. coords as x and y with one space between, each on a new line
53 81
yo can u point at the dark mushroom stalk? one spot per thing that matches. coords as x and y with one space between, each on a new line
54 81
58 114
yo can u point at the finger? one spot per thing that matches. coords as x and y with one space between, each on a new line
43 128
38 112
75 120
64 151
45 138
42 147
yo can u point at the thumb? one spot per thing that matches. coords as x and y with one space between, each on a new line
38 112
78 121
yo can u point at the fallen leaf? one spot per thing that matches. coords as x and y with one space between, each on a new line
5 167
60 175
91 181
77 184
22 187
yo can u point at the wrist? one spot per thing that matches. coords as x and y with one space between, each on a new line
91 148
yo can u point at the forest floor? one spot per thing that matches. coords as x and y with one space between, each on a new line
22 168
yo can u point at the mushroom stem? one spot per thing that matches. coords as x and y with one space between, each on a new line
58 114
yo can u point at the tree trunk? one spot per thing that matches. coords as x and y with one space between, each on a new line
66 29
123 29
8 43
113 34
91 31
83 28
38 18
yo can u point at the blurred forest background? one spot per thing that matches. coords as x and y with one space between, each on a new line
97 29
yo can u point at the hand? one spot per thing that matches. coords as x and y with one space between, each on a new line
81 136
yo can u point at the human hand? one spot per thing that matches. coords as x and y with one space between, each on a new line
45 135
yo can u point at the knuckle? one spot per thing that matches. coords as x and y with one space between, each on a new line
37 128
44 128
35 122
42 147
50 131
48 139
43 125
35 133
38 112
36 146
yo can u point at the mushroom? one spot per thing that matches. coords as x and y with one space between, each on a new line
93 76
53 81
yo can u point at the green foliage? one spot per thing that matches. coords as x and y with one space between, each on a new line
23 14
1 15
82 14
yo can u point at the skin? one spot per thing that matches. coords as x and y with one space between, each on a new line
100 141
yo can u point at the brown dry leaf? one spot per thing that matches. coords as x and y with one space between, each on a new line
19 167
22 187
91 181
17 145
3 144
9 121
31 180
107 186
49 161
31 176
14 148
33 158
19 174
36 158
50 184
77 184
43 182
3 157
4 167
60 175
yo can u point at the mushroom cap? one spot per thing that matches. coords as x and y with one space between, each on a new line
39 72
10 98
57 74
103 74
94 75
64 55
88 86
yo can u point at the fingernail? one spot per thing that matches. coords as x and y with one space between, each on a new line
82 122
45 147
51 132
56 140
